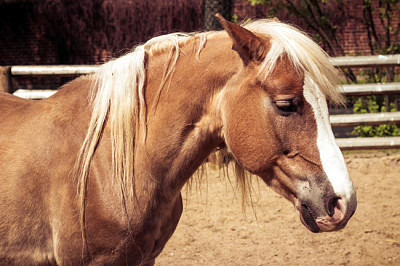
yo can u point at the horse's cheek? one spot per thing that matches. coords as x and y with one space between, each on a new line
248 136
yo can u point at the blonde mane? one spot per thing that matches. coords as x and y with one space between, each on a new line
118 95
306 56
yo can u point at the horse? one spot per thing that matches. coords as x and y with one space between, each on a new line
93 174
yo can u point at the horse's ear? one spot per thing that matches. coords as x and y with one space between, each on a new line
276 19
248 45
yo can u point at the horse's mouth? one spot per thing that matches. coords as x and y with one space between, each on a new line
308 219
335 219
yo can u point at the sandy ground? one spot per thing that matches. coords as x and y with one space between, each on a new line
214 230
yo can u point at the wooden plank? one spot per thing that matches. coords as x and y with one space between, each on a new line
366 61
368 143
371 89
344 61
365 119
53 70
5 79
34 94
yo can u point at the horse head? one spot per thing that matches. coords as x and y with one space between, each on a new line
276 124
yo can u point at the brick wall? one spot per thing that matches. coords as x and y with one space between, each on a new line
23 43
21 40
352 31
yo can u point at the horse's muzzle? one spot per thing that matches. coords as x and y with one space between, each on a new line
337 215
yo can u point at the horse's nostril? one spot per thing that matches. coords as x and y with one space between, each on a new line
286 152
331 204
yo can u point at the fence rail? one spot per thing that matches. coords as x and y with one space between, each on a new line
63 70
34 94
371 89
336 120
366 61
368 143
365 119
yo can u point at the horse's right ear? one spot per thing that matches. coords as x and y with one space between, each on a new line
248 45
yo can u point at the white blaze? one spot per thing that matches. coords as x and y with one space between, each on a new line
331 157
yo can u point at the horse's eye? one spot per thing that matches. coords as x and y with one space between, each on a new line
285 107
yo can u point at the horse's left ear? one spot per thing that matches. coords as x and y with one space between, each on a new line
248 45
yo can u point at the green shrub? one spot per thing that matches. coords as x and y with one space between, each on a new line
374 104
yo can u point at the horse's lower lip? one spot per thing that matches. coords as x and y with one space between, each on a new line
308 220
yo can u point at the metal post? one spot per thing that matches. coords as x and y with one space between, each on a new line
5 79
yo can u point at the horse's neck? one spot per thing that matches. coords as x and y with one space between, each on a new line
183 125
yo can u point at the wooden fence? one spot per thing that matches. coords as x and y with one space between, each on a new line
336 120
364 90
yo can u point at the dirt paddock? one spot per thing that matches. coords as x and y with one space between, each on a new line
215 231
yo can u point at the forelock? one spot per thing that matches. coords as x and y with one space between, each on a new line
306 56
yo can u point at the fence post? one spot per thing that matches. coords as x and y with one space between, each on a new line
5 79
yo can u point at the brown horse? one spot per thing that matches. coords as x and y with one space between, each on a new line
93 174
